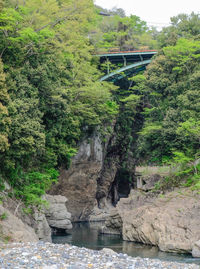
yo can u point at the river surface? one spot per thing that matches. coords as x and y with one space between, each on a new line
87 235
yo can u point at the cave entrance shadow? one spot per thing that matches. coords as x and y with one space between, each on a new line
121 186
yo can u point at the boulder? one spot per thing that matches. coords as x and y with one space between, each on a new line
109 251
169 221
42 227
56 212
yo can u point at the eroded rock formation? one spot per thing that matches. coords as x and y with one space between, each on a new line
16 225
169 221
87 183
78 183
113 224
56 212
13 229
41 227
196 250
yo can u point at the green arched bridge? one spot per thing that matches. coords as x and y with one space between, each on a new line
129 62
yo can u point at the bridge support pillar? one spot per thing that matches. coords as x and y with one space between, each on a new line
108 66
141 58
124 58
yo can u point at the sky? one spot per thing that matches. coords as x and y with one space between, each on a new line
154 12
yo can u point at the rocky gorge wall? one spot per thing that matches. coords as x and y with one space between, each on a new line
18 226
170 221
78 183
88 183
144 216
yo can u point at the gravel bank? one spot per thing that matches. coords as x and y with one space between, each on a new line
55 256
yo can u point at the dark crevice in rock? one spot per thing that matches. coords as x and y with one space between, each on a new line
56 231
121 186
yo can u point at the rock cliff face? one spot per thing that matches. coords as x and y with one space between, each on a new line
169 221
13 229
17 226
79 183
91 184
113 224
196 250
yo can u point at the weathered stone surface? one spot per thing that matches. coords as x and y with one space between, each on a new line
196 250
56 213
41 227
12 228
60 224
147 183
98 214
107 230
171 222
109 251
55 199
105 180
37 220
113 224
79 183
137 198
101 214
90 148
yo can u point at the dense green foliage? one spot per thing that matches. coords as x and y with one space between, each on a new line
159 120
170 101
51 96
125 33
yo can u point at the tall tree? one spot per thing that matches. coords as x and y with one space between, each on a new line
4 117
172 82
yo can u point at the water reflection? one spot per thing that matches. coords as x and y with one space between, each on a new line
87 235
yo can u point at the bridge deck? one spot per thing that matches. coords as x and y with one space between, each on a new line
128 61
129 52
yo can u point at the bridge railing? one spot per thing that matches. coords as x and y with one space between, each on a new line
117 50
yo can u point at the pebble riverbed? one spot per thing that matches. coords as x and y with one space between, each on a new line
56 256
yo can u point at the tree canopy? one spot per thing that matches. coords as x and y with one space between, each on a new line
51 97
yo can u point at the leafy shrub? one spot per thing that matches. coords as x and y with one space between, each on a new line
3 216
33 185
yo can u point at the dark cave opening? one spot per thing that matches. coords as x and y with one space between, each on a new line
121 186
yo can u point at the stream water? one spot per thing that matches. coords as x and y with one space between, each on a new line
87 235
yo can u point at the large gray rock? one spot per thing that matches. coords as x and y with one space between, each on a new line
171 221
113 224
79 182
101 214
42 227
56 213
